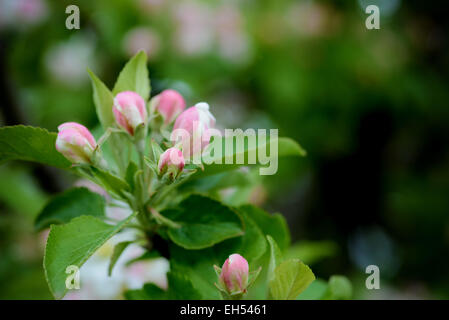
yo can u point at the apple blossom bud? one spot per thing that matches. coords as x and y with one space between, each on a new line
234 274
129 111
169 104
195 122
75 142
172 162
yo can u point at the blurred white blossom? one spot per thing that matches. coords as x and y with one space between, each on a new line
66 61
194 28
151 6
22 13
142 38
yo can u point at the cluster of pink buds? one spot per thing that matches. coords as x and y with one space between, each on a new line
77 144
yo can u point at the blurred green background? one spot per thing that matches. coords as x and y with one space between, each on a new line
369 106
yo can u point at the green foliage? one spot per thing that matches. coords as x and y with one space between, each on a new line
251 245
20 192
70 204
198 266
270 224
149 291
179 288
146 256
312 252
110 182
275 258
104 100
72 244
30 144
215 163
291 277
130 175
216 182
203 222
134 77
338 288
118 250
314 291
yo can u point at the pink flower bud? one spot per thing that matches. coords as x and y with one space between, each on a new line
169 103
75 142
195 122
234 274
171 161
129 111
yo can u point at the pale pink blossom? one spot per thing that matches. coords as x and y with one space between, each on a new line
142 38
129 111
169 104
234 274
171 161
194 30
192 129
75 142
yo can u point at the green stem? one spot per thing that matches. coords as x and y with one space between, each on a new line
163 220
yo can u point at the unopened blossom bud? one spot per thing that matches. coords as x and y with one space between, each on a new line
172 162
195 122
169 104
234 274
75 142
129 111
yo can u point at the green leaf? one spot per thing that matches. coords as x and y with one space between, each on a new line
150 291
131 171
104 100
312 252
110 182
68 205
118 250
275 227
275 258
30 144
134 77
197 265
339 288
291 278
217 181
286 147
315 291
204 222
20 191
179 288
155 151
147 255
251 245
270 224
72 244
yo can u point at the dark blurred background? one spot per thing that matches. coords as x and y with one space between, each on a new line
369 106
